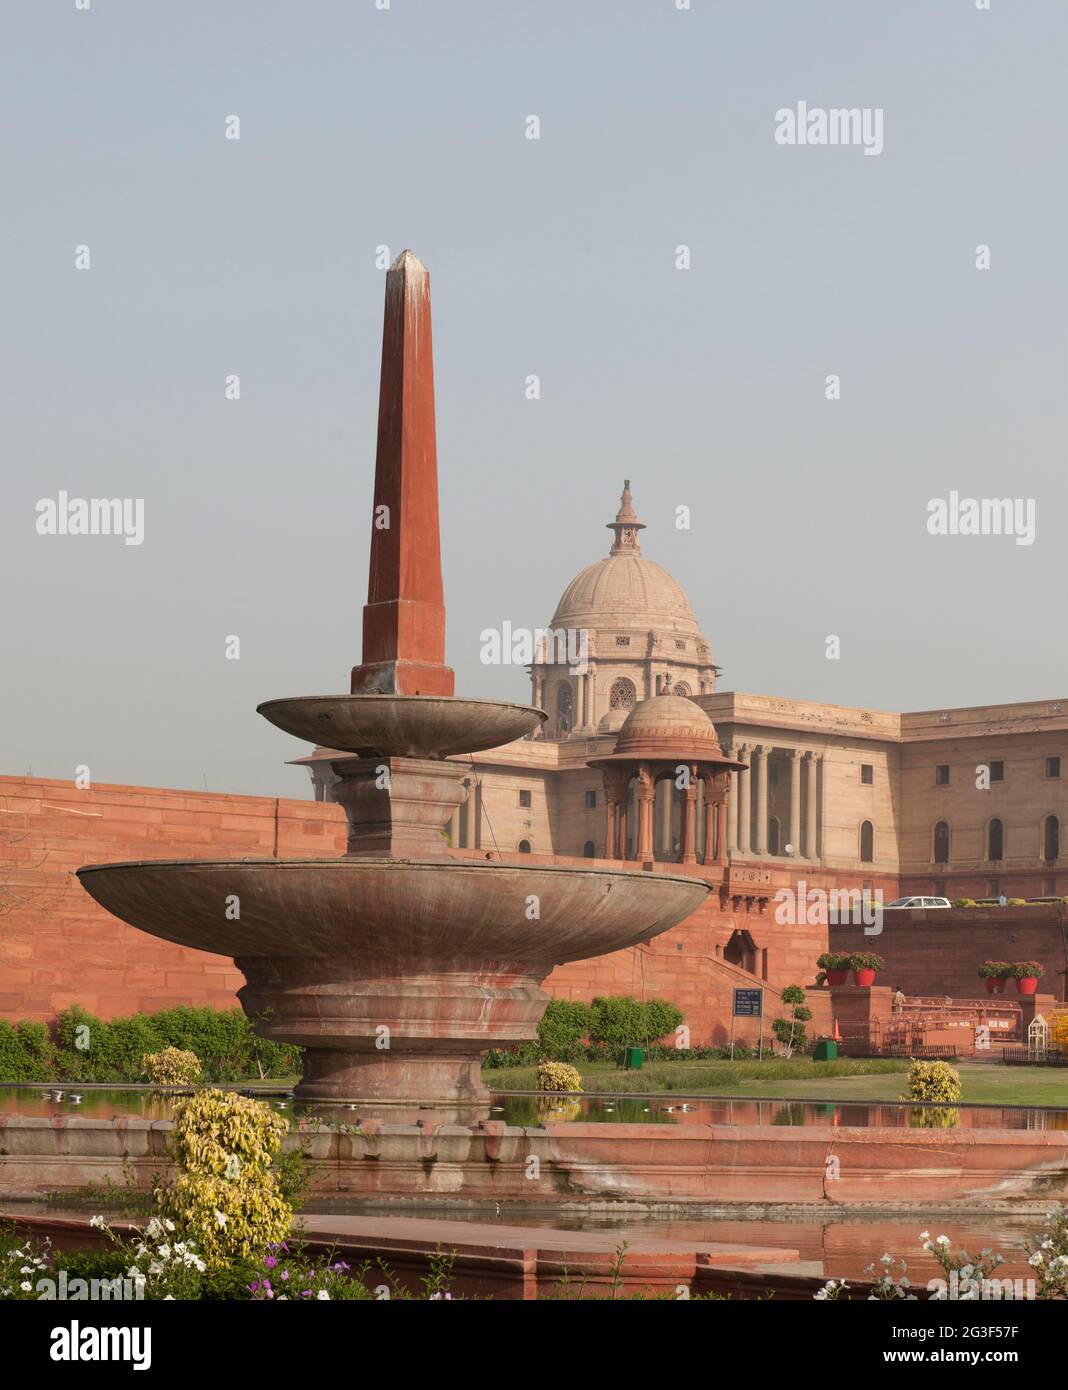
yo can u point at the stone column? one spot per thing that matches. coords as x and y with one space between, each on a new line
811 760
664 790
644 850
584 702
687 854
610 825
592 678
795 801
723 820
621 821
730 806
469 833
743 799
454 829
760 752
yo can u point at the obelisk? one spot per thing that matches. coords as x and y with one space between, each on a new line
404 617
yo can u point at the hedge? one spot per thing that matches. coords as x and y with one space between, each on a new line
76 1046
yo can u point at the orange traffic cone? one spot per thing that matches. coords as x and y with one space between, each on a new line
836 1035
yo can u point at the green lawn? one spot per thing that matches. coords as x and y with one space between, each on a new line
847 1079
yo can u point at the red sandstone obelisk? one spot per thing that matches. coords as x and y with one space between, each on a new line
404 617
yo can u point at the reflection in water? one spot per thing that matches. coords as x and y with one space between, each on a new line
532 1111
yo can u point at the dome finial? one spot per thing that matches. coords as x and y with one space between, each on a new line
626 526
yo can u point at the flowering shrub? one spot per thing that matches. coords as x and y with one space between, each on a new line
965 1276
287 1278
866 960
21 1266
933 1081
1028 970
226 1195
1049 1256
172 1067
558 1076
995 970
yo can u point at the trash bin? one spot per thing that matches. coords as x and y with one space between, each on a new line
633 1058
826 1050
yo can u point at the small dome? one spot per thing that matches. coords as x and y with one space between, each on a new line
667 722
613 720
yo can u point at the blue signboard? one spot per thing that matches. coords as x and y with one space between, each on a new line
748 1003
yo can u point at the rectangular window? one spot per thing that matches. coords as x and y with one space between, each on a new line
942 775
995 888
867 774
525 799
1053 767
997 772
1050 888
591 801
622 641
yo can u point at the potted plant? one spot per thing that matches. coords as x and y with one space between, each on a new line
1028 973
865 966
995 973
836 965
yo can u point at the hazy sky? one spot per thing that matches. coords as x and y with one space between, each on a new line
362 128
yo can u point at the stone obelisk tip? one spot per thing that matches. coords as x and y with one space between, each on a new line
404 617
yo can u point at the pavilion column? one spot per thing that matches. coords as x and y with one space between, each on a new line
469 828
592 679
730 807
646 794
760 752
811 760
743 756
795 801
610 824
622 823
584 701
664 789
723 820
454 829
688 853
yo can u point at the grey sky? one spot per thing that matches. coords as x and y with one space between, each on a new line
705 387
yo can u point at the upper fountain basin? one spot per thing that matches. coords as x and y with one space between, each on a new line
405 726
438 910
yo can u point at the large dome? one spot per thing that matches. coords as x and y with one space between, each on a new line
625 590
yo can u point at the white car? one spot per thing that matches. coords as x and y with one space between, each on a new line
919 902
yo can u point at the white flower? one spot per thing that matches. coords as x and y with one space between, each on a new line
155 1267
25 1286
134 1273
220 1217
925 1235
1036 1260
97 1221
153 1229
163 1251
942 1240
820 1294
169 1298
887 1259
169 1224
323 1294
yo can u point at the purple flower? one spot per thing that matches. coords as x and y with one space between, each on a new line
270 1262
285 1273
254 1288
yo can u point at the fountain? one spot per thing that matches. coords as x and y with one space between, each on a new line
398 965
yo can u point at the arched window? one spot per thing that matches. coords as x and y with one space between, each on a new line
588 850
524 846
867 842
941 842
565 707
995 840
681 688
1051 838
622 693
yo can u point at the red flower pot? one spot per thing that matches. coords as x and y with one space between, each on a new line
837 977
864 978
994 985
1028 984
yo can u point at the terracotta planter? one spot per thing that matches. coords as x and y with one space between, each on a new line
994 985
837 977
1027 984
864 978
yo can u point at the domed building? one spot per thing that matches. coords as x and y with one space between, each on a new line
640 634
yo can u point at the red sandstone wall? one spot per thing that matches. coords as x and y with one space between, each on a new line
939 952
57 947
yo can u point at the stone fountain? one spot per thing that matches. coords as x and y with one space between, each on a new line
399 964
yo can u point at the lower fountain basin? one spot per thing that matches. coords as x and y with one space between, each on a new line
408 726
395 974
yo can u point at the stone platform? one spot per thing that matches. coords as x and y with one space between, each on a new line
583 1166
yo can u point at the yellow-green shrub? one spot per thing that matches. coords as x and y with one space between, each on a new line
174 1066
933 1081
558 1076
225 1196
